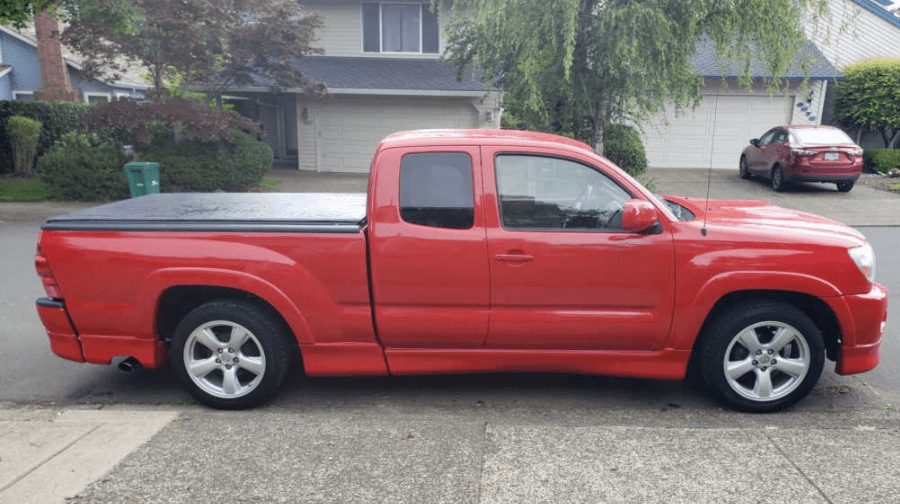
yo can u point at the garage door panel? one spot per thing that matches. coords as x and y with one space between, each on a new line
348 130
715 132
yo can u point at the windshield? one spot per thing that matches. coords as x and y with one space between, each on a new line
825 136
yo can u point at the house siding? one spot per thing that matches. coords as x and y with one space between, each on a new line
22 57
851 33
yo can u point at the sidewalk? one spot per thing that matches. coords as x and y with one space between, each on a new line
468 454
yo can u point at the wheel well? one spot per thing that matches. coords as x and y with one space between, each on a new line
813 307
176 302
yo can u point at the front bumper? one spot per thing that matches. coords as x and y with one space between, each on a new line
860 353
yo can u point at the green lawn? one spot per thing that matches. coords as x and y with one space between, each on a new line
13 188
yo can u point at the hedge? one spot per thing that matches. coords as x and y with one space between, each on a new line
193 166
84 168
880 160
622 145
56 118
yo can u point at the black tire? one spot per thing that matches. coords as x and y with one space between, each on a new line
845 185
761 357
743 170
778 183
230 354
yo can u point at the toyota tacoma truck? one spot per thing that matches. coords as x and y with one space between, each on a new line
474 251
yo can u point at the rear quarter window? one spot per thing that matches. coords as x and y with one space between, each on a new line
436 190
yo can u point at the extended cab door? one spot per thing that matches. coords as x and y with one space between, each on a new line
564 274
430 278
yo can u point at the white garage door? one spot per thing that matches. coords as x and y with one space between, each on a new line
342 133
715 133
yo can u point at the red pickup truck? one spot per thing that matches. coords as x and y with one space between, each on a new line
474 251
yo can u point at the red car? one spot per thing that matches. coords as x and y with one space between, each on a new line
787 154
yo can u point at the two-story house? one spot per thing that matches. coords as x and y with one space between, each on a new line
714 133
20 74
382 66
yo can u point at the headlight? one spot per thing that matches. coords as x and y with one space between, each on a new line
864 257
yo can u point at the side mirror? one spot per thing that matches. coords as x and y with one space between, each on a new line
638 216
754 142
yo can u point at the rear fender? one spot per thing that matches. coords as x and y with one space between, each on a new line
157 282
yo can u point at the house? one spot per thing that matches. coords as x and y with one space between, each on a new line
20 75
382 66
714 134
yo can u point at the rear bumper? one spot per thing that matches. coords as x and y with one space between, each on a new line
66 342
63 338
869 319
823 178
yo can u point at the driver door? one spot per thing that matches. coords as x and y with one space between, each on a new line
564 274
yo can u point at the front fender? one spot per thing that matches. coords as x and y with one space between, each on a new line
692 310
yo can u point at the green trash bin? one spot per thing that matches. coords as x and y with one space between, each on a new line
143 178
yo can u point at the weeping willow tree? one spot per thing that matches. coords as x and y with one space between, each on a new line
574 66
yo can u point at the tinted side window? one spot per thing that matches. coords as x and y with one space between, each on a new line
436 190
768 137
543 193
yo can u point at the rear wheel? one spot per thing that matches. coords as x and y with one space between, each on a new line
845 185
762 357
778 183
743 171
230 354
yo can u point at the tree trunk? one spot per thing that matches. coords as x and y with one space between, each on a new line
599 126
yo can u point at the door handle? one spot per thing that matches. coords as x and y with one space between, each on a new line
513 257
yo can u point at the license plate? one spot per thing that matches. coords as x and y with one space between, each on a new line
832 156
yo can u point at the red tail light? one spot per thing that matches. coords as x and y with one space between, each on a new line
43 270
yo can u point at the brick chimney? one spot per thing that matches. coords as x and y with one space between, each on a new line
54 73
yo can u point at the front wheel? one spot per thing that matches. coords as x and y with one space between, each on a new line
743 169
778 183
762 357
230 354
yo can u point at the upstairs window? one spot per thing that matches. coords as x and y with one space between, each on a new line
399 28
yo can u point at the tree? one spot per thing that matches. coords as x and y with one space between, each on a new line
222 43
188 119
869 97
573 66
18 12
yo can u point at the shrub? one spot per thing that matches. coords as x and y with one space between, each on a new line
622 145
191 165
23 136
56 118
880 160
84 168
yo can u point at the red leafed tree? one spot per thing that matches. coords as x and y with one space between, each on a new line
216 44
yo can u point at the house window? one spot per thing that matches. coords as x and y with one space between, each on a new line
23 95
399 28
96 98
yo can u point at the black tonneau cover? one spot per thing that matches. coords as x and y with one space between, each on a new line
232 212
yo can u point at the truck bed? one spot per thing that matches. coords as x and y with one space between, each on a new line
233 212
